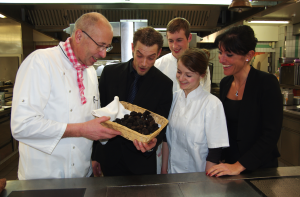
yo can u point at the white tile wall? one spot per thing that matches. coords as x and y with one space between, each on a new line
290 50
289 28
218 73
218 68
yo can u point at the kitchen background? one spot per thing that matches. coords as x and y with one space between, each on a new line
28 27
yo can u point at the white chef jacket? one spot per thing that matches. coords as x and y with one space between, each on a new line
167 64
46 98
196 123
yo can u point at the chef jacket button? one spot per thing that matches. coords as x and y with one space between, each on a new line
72 164
73 147
23 100
64 73
69 91
183 134
71 110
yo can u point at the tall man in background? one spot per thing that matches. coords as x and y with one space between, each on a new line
153 91
55 92
179 36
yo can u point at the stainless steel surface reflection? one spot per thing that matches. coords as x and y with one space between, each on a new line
218 188
279 187
187 184
169 190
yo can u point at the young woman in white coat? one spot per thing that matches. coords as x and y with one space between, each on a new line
197 128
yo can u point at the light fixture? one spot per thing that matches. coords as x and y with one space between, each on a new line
160 29
2 16
239 5
270 22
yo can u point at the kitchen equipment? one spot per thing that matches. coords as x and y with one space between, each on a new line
100 64
286 60
288 98
2 98
289 75
296 100
1 83
8 82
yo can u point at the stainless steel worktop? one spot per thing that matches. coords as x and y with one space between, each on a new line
188 184
291 110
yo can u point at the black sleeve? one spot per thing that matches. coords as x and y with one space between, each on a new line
214 155
103 103
164 109
95 144
165 138
271 113
102 89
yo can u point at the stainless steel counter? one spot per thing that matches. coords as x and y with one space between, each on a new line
291 110
173 185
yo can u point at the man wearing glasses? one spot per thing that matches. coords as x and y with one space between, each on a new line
140 83
54 94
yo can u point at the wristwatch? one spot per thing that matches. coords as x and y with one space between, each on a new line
150 150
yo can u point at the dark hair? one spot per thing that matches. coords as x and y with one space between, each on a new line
239 40
148 36
177 24
196 60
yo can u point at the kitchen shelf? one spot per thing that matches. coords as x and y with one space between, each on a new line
290 86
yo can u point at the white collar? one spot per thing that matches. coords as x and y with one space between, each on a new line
193 94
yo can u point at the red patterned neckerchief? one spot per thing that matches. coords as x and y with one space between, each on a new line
79 67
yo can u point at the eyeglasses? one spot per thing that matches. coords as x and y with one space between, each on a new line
101 47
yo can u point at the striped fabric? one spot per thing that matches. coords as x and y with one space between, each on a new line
79 67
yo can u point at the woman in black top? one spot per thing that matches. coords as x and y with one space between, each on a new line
252 103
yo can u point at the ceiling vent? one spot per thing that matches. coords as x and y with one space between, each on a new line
240 5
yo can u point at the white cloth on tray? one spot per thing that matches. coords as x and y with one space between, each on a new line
114 110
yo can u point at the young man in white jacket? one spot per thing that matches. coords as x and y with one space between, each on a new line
179 36
55 92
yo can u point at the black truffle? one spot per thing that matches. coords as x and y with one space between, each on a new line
140 122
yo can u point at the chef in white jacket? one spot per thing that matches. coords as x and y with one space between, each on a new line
197 128
55 92
179 36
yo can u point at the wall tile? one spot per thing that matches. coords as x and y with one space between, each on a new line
289 28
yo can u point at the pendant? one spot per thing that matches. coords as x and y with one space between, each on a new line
237 93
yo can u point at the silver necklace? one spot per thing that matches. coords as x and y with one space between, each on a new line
237 90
